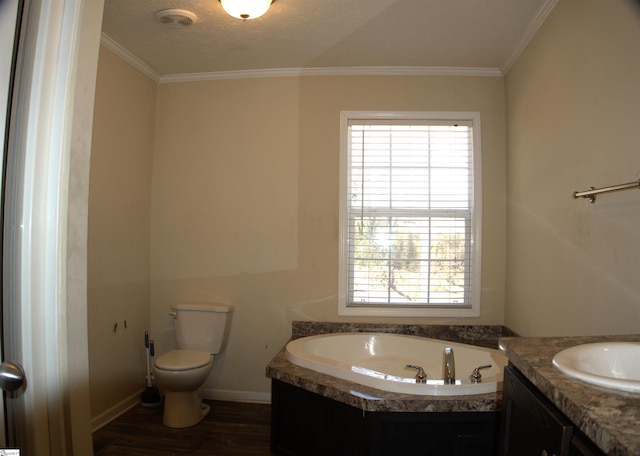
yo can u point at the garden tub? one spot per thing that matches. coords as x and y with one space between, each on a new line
380 361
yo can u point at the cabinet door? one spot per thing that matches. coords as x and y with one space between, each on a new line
582 446
307 424
532 425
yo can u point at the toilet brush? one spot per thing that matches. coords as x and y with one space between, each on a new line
150 396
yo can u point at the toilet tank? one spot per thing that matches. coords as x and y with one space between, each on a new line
202 326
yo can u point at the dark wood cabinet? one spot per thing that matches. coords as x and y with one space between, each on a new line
306 424
303 424
533 426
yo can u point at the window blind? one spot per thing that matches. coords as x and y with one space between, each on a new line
409 212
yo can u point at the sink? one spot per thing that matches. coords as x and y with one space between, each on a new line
609 364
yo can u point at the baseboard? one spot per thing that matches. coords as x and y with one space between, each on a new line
114 412
236 396
208 393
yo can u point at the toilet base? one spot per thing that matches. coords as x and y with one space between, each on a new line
183 409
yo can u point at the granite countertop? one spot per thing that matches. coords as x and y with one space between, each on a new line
480 335
375 400
610 418
372 399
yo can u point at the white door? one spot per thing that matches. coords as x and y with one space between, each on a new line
9 17
44 245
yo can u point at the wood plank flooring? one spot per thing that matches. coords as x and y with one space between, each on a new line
230 429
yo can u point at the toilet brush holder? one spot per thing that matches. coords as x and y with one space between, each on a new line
150 396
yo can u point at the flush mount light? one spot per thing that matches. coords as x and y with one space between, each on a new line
246 9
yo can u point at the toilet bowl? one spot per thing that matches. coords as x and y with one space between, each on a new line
201 333
181 374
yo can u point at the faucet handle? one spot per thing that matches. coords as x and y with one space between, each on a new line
421 376
476 377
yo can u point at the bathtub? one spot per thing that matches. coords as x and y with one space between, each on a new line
379 361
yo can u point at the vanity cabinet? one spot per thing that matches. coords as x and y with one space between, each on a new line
307 424
533 426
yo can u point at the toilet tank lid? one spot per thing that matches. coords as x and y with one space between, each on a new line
202 306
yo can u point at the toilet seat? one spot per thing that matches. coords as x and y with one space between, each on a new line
182 360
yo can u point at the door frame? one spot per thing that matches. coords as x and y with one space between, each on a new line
45 226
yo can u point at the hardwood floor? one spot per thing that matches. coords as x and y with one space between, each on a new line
230 429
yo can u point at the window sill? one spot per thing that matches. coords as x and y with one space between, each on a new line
364 311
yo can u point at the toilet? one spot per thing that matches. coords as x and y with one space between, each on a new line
201 332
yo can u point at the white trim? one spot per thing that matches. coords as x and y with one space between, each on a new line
391 311
135 62
114 412
77 202
346 71
55 84
8 25
530 31
435 312
122 407
128 57
42 136
255 397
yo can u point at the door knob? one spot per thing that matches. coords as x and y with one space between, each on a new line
11 376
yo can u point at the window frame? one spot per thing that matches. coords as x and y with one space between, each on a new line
391 310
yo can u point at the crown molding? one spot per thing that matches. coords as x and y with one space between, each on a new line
128 57
531 30
145 69
344 71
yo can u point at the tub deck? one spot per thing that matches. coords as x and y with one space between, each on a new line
372 399
379 360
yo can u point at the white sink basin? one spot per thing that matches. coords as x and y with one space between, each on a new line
610 364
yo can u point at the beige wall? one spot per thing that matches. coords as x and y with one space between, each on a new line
573 103
119 225
245 202
245 197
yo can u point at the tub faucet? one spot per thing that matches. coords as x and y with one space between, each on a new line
476 377
448 367
421 377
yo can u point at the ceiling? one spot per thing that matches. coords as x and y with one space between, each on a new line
326 34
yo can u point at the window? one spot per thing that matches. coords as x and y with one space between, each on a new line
410 214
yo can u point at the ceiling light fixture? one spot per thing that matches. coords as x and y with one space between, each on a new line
246 9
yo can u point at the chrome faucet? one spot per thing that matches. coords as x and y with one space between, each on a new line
421 377
448 367
476 377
